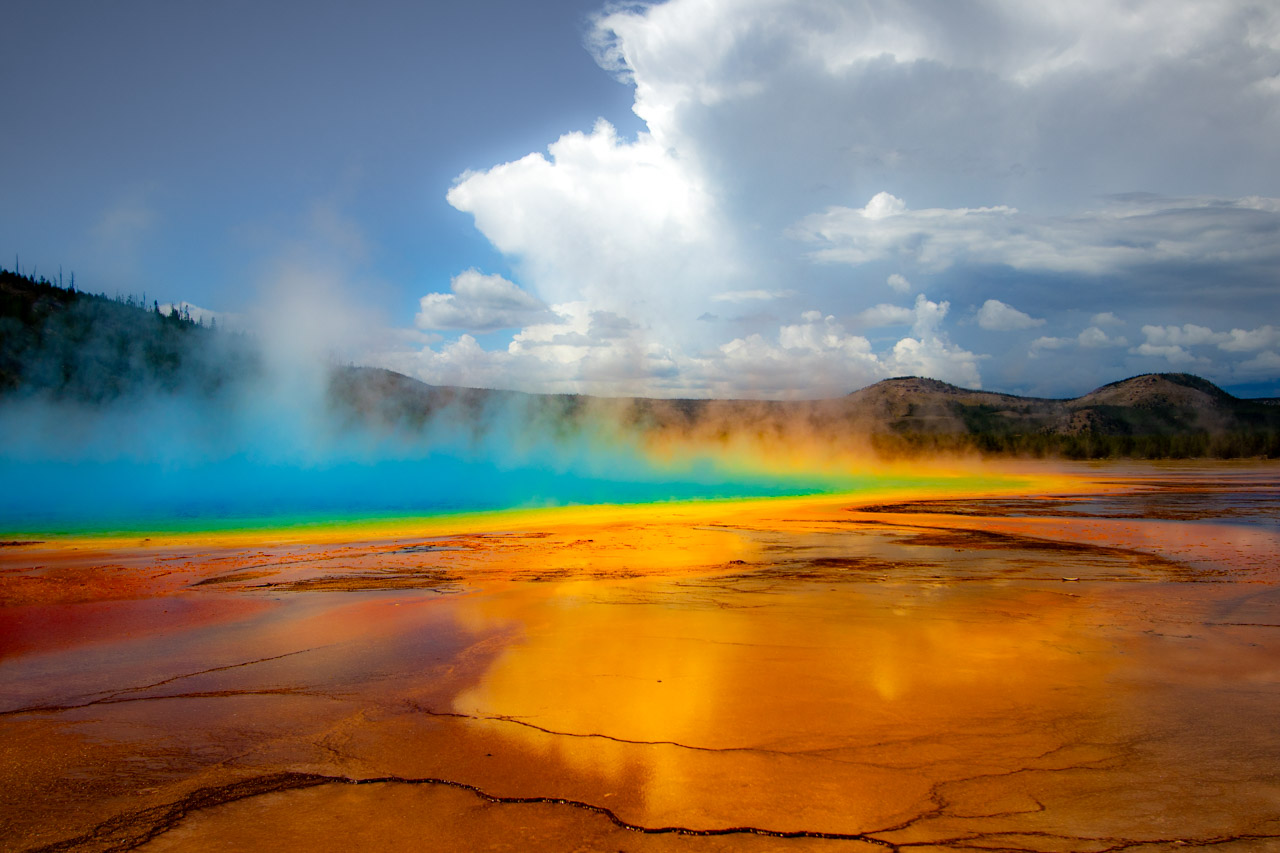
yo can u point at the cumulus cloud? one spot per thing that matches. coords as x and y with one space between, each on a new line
1251 340
587 351
1004 38
479 303
1172 353
930 352
899 283
783 140
819 355
576 349
1219 355
1047 342
1095 338
627 226
815 355
999 89
1263 364
1090 338
1160 338
1187 335
997 316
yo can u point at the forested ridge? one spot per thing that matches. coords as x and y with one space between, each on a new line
64 344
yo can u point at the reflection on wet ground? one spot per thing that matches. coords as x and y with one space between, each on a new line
1090 672
1187 496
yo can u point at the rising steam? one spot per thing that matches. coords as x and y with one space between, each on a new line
273 423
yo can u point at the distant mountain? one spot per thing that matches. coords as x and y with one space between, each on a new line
62 343
1152 415
1158 415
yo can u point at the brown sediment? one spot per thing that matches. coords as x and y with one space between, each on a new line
233 577
828 677
436 581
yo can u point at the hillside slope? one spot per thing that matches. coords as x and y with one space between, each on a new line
1149 416
64 344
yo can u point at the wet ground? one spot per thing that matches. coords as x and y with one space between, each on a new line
1090 670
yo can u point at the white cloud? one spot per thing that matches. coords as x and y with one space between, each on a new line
1263 364
1091 337
899 283
576 350
689 52
769 122
814 359
1236 340
885 314
752 295
1175 344
884 228
1126 234
909 83
1042 343
819 356
479 303
997 316
1172 353
586 351
1095 338
1241 340
1187 335
882 206
627 226
930 353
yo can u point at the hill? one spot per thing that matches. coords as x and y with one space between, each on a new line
67 344
1162 415
1155 415
62 343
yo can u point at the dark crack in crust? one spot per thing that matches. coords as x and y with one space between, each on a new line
131 830
234 577
369 581
127 694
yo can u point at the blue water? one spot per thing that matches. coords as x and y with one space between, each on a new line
96 495
166 463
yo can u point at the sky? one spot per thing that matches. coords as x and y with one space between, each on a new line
725 198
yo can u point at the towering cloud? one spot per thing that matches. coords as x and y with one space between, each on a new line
809 155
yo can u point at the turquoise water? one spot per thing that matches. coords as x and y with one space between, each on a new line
172 464
83 496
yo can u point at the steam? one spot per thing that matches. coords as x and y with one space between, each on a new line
285 429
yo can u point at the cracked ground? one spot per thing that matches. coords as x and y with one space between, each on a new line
1096 669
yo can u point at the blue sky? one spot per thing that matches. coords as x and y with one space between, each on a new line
695 198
